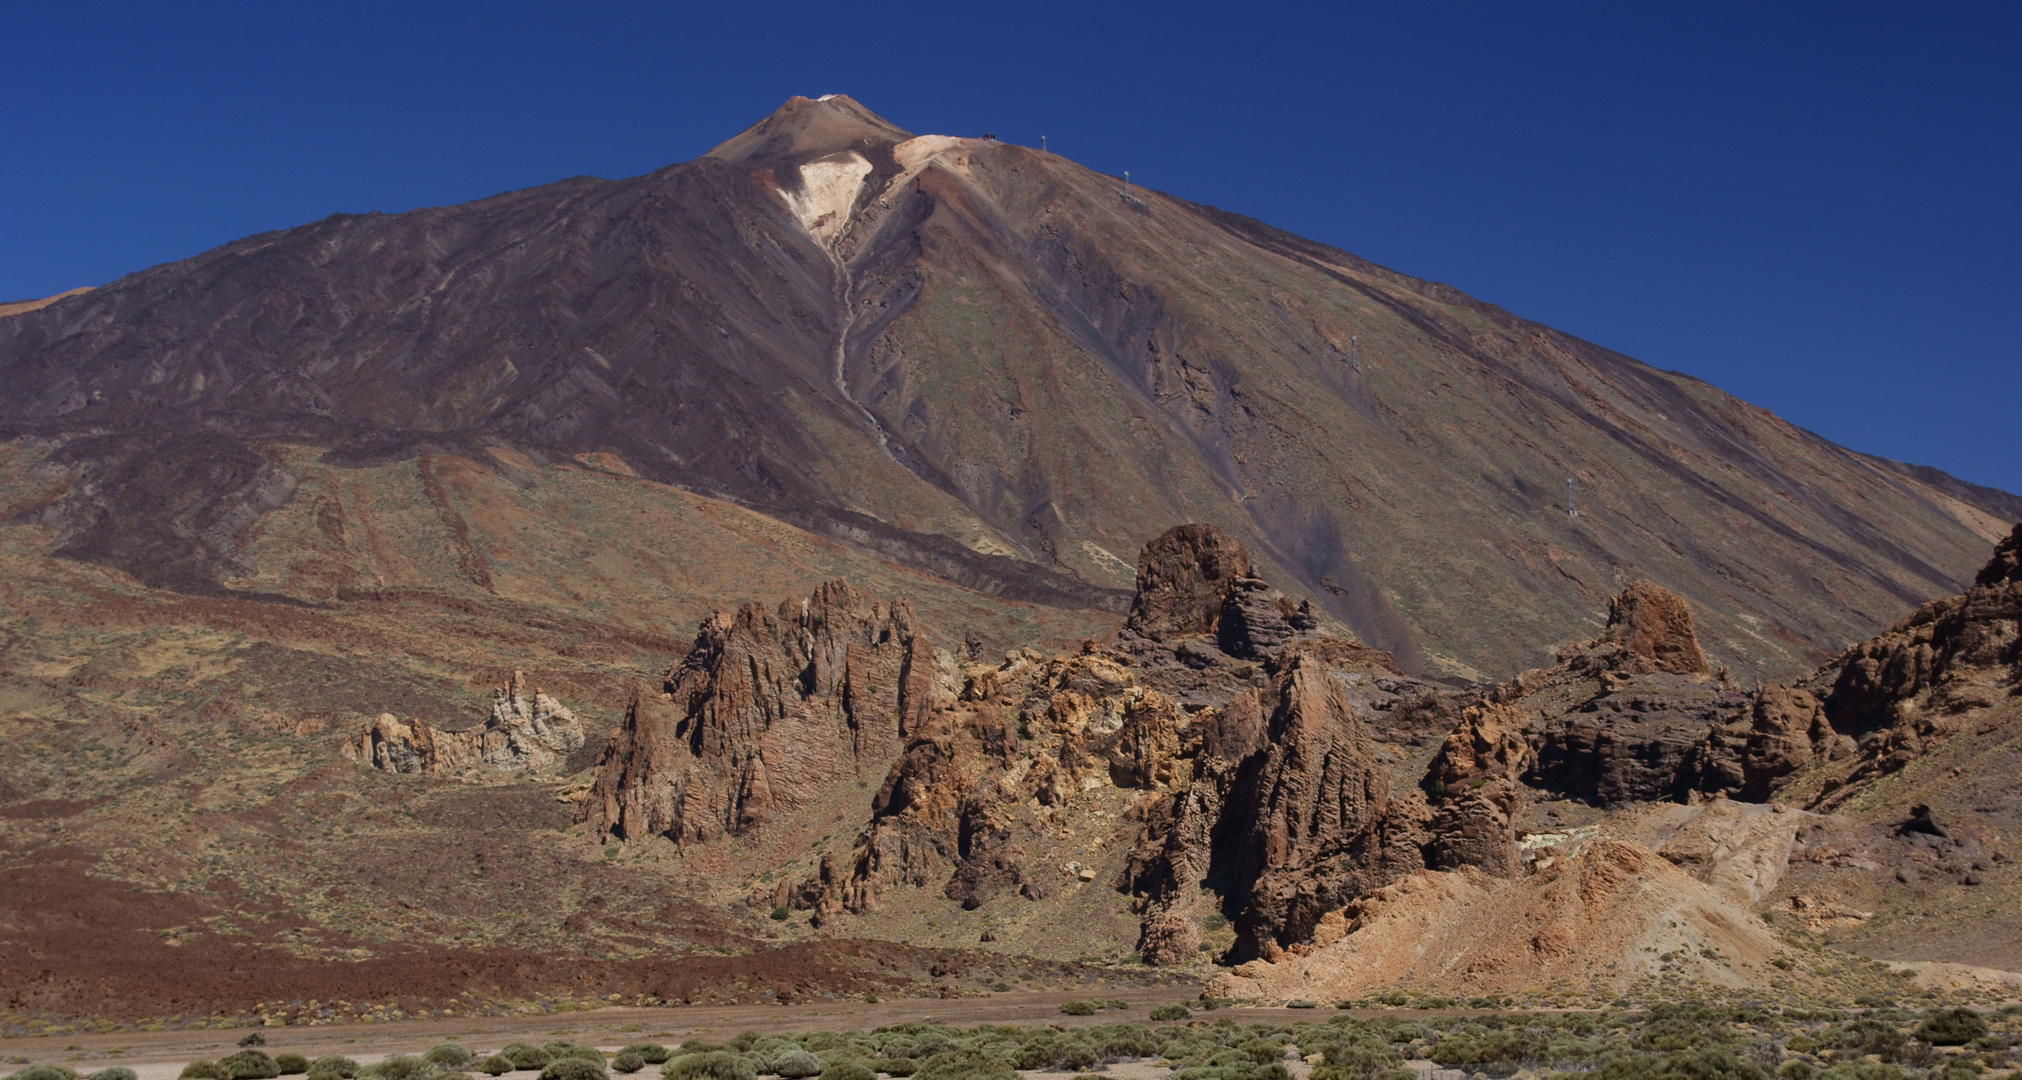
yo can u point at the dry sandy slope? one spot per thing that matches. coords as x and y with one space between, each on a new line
1609 915
20 307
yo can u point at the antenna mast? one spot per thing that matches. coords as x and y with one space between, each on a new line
1572 509
1042 144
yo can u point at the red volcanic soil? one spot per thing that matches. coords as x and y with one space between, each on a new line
79 946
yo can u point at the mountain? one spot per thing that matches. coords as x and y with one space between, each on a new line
854 563
962 357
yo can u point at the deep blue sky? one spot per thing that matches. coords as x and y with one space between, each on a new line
1814 206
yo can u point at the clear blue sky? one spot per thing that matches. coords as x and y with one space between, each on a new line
1814 206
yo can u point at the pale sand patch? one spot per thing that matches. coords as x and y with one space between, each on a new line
22 307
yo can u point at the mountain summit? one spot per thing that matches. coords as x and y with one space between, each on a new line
971 359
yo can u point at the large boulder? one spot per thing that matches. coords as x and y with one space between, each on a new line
1184 579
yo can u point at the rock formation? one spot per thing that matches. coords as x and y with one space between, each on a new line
766 708
526 730
1908 689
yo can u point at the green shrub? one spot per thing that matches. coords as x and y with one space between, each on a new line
1954 1027
48 1072
333 1065
965 1065
1797 1069
849 1070
895 1066
195 1070
1301 1003
449 1055
558 1051
253 1038
569 1066
709 1065
250 1065
495 1065
651 1053
1173 1011
116 1072
291 1064
1079 1008
400 1067
525 1057
628 1062
795 1064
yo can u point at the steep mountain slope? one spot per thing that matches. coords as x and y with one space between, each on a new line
986 363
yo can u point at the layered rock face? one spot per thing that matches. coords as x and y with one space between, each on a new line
1638 714
765 709
526 730
1911 687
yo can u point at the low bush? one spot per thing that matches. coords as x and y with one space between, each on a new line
796 1064
1172 1012
336 1065
449 1055
291 1064
400 1067
895 1066
1079 1008
254 1038
195 1070
965 1065
1953 1027
559 1050
709 1065
46 1072
572 1067
1301 1003
116 1072
651 1053
627 1062
849 1070
526 1057
250 1065
495 1065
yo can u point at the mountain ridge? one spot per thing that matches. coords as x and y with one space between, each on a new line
987 364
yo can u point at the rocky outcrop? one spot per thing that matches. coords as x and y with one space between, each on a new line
767 707
1288 810
526 730
1474 786
1655 623
1183 581
1912 687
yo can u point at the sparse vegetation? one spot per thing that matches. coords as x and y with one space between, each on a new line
1079 1008
333 1066
291 1064
495 1065
650 1053
627 1062
1171 1012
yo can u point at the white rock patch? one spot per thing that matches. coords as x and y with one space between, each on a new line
828 188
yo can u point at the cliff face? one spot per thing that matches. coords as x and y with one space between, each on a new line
980 362
768 708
